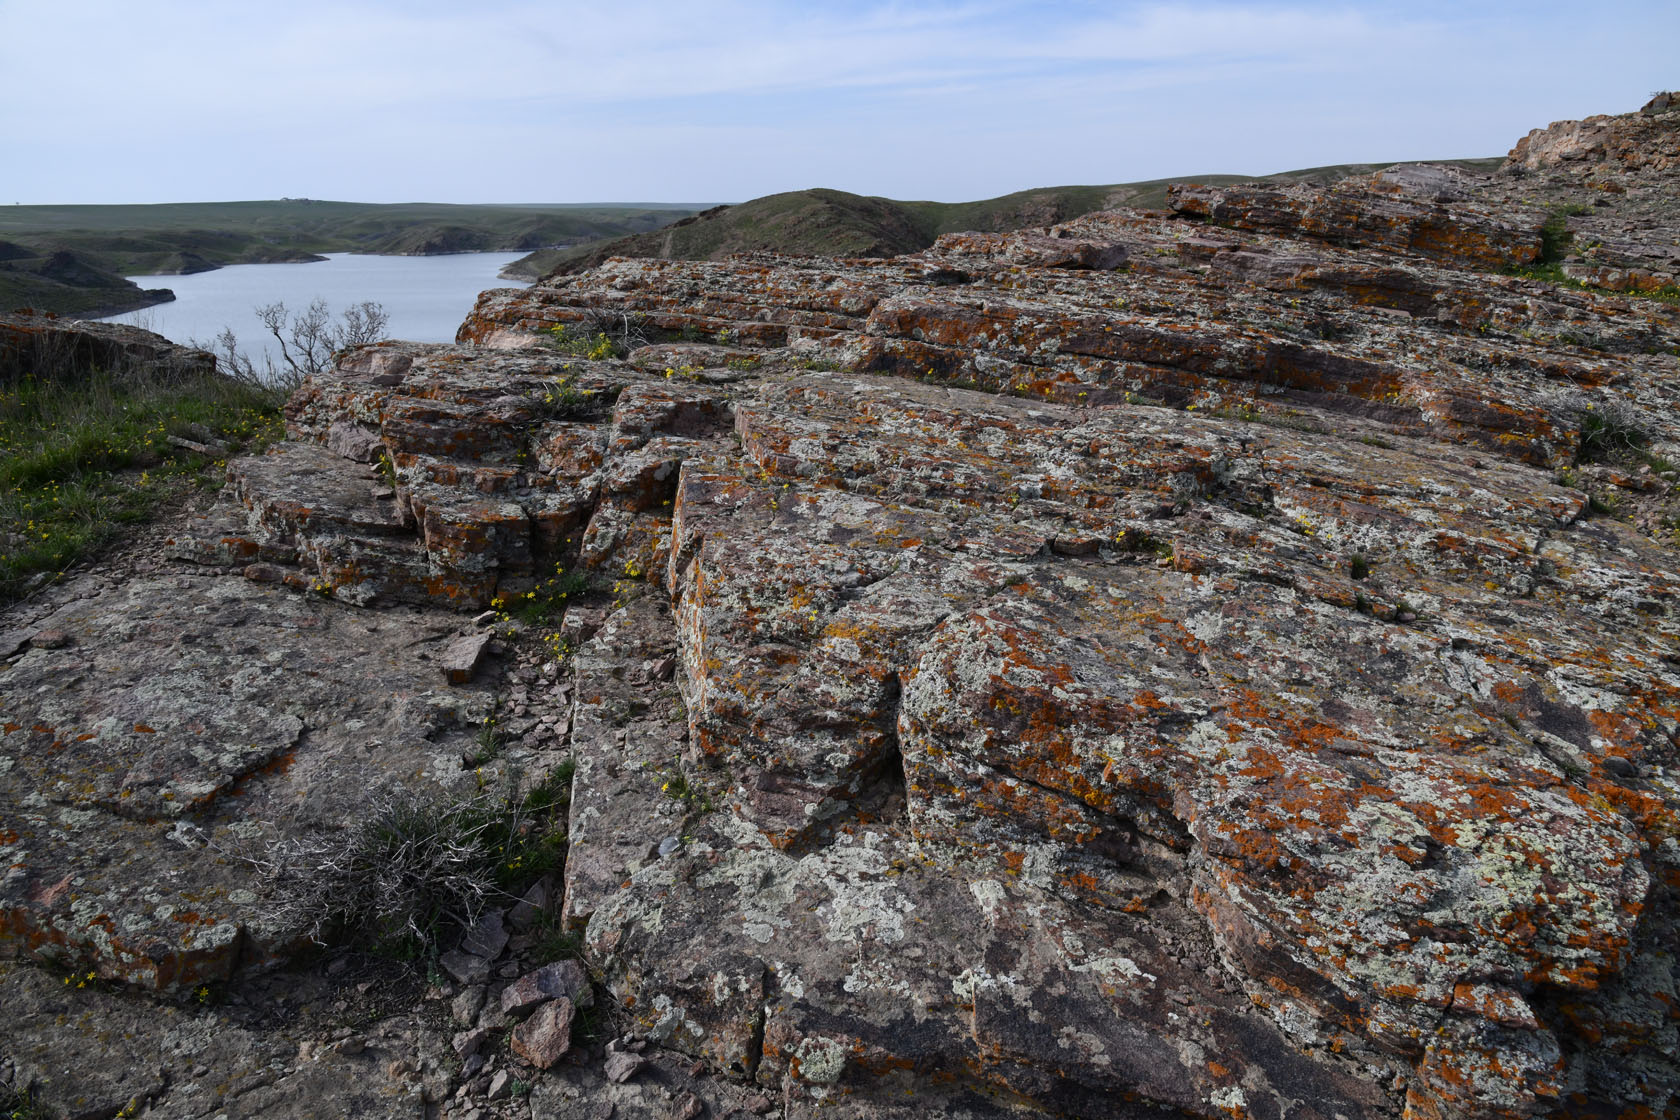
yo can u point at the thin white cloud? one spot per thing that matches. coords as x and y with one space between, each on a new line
219 58
379 99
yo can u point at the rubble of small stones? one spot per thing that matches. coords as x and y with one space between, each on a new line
1208 662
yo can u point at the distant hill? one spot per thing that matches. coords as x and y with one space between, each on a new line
107 243
831 223
66 284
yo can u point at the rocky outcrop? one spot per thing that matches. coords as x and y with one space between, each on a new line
1645 142
1607 178
32 342
1361 218
1208 663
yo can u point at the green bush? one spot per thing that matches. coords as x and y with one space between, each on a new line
1554 233
545 602
580 343
564 399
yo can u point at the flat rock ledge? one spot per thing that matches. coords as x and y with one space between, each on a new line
1197 663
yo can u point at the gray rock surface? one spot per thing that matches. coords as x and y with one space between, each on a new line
189 719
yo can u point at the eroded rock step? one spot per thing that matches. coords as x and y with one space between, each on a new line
436 476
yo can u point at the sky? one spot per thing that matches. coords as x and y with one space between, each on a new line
105 101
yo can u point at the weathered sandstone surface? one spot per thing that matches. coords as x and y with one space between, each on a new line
1214 662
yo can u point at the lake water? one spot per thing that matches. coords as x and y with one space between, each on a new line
426 297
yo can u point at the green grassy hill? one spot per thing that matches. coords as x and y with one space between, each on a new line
64 283
107 243
832 223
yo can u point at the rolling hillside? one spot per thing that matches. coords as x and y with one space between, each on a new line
823 222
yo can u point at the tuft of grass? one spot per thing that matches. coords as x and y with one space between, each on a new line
691 795
1614 427
412 871
543 604
1138 542
580 343
563 398
21 1105
489 742
1608 429
553 942
81 460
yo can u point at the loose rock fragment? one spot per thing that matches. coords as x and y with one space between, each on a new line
552 981
50 639
488 937
466 968
545 1037
532 905
467 1043
461 658
622 1065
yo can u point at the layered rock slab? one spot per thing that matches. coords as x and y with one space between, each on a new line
1389 298
184 722
440 476
1375 821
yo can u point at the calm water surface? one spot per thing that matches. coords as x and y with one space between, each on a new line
427 297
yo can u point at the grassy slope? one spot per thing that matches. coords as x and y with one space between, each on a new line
193 237
85 455
834 223
65 283
308 219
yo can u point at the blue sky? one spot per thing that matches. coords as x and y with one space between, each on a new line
503 101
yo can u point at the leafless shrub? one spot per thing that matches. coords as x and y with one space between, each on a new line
627 330
308 340
1606 426
409 870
